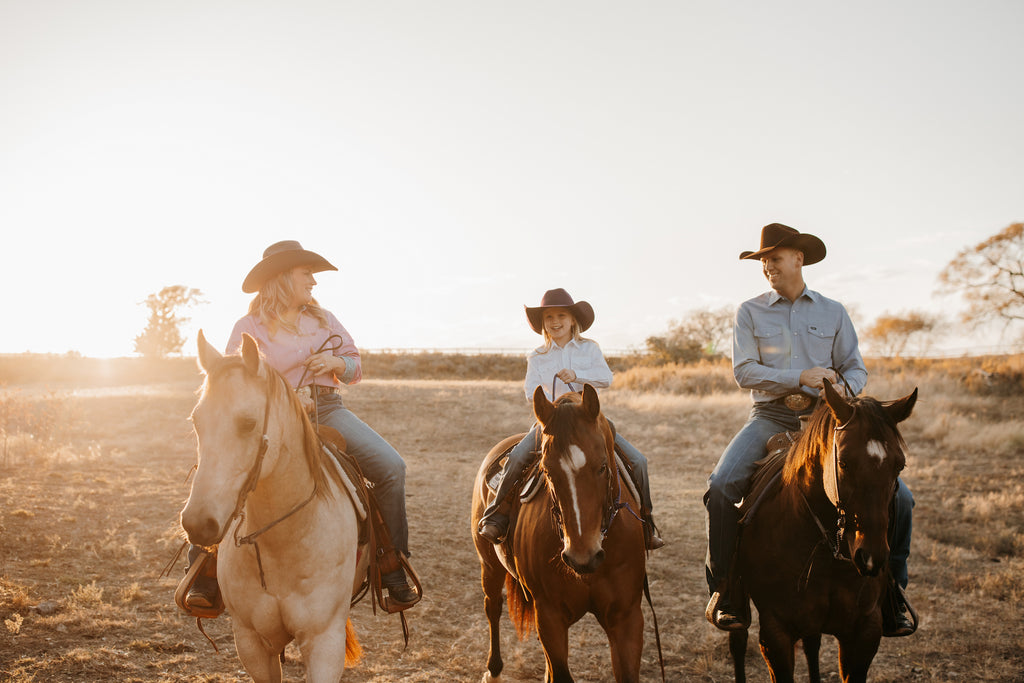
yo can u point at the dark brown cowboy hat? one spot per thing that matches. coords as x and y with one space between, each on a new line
279 257
559 298
778 235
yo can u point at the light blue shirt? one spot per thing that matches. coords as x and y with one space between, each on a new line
774 340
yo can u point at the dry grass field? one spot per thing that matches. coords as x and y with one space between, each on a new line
89 505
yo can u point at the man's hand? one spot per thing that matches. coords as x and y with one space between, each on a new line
815 377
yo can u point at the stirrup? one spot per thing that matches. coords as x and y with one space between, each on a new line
197 569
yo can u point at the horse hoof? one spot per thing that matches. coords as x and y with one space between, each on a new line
488 678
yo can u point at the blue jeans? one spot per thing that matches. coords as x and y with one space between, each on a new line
378 460
730 481
521 454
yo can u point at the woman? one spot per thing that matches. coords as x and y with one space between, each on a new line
564 363
316 355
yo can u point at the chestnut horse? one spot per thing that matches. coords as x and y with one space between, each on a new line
264 475
578 549
814 554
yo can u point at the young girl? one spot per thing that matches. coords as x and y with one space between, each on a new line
316 354
564 363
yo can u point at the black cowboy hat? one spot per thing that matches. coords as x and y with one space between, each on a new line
778 235
559 298
279 257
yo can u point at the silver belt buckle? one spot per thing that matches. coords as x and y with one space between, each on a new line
305 391
797 402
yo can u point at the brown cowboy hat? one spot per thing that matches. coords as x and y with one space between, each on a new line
279 257
778 235
559 298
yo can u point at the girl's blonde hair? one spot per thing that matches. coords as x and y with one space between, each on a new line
548 342
274 298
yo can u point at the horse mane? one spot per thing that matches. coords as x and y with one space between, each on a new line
561 425
279 390
803 463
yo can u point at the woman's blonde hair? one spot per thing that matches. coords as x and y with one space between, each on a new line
274 298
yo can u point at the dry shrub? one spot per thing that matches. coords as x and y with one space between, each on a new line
700 379
36 428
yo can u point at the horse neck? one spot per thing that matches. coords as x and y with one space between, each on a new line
286 479
803 475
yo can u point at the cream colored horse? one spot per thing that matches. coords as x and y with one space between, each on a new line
289 561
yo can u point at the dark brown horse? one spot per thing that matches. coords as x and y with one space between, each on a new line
577 549
814 554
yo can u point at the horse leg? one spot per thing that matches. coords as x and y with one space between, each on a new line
812 648
492 579
626 639
554 639
264 666
324 655
777 648
738 650
855 655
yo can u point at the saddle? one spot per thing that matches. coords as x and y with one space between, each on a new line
373 533
531 482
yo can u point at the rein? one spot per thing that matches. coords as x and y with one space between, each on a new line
835 540
253 479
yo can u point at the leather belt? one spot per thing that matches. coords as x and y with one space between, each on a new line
320 390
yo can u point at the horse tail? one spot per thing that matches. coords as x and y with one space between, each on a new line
520 607
353 650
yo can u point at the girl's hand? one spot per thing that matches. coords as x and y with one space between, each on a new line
566 375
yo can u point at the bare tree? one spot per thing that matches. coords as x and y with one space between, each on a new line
990 277
891 334
162 335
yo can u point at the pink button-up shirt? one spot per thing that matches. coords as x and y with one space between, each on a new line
286 351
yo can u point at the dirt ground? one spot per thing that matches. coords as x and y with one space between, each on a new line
86 533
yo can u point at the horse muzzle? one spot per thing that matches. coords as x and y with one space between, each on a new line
200 527
869 561
587 565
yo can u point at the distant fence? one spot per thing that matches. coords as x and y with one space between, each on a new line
485 351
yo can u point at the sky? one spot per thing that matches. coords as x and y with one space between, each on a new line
457 159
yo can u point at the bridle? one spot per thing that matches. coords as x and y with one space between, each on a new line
835 540
250 486
613 502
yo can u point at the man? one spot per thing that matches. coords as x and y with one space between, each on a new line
785 341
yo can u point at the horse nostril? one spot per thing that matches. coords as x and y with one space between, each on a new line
598 559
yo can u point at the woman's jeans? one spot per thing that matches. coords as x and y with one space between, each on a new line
378 460
522 454
730 481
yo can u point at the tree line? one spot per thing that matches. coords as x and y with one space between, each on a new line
989 277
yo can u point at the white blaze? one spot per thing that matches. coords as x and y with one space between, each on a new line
571 465
876 449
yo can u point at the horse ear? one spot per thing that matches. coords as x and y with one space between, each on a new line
250 354
207 354
900 409
590 401
542 407
842 410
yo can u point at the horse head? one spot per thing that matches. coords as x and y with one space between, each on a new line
578 461
859 471
230 421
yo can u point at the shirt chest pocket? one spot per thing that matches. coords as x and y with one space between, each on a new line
820 337
769 341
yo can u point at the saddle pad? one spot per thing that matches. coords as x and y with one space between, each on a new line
349 485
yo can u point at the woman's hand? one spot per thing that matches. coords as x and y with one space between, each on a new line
321 363
566 375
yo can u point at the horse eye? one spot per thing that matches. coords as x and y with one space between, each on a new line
245 425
